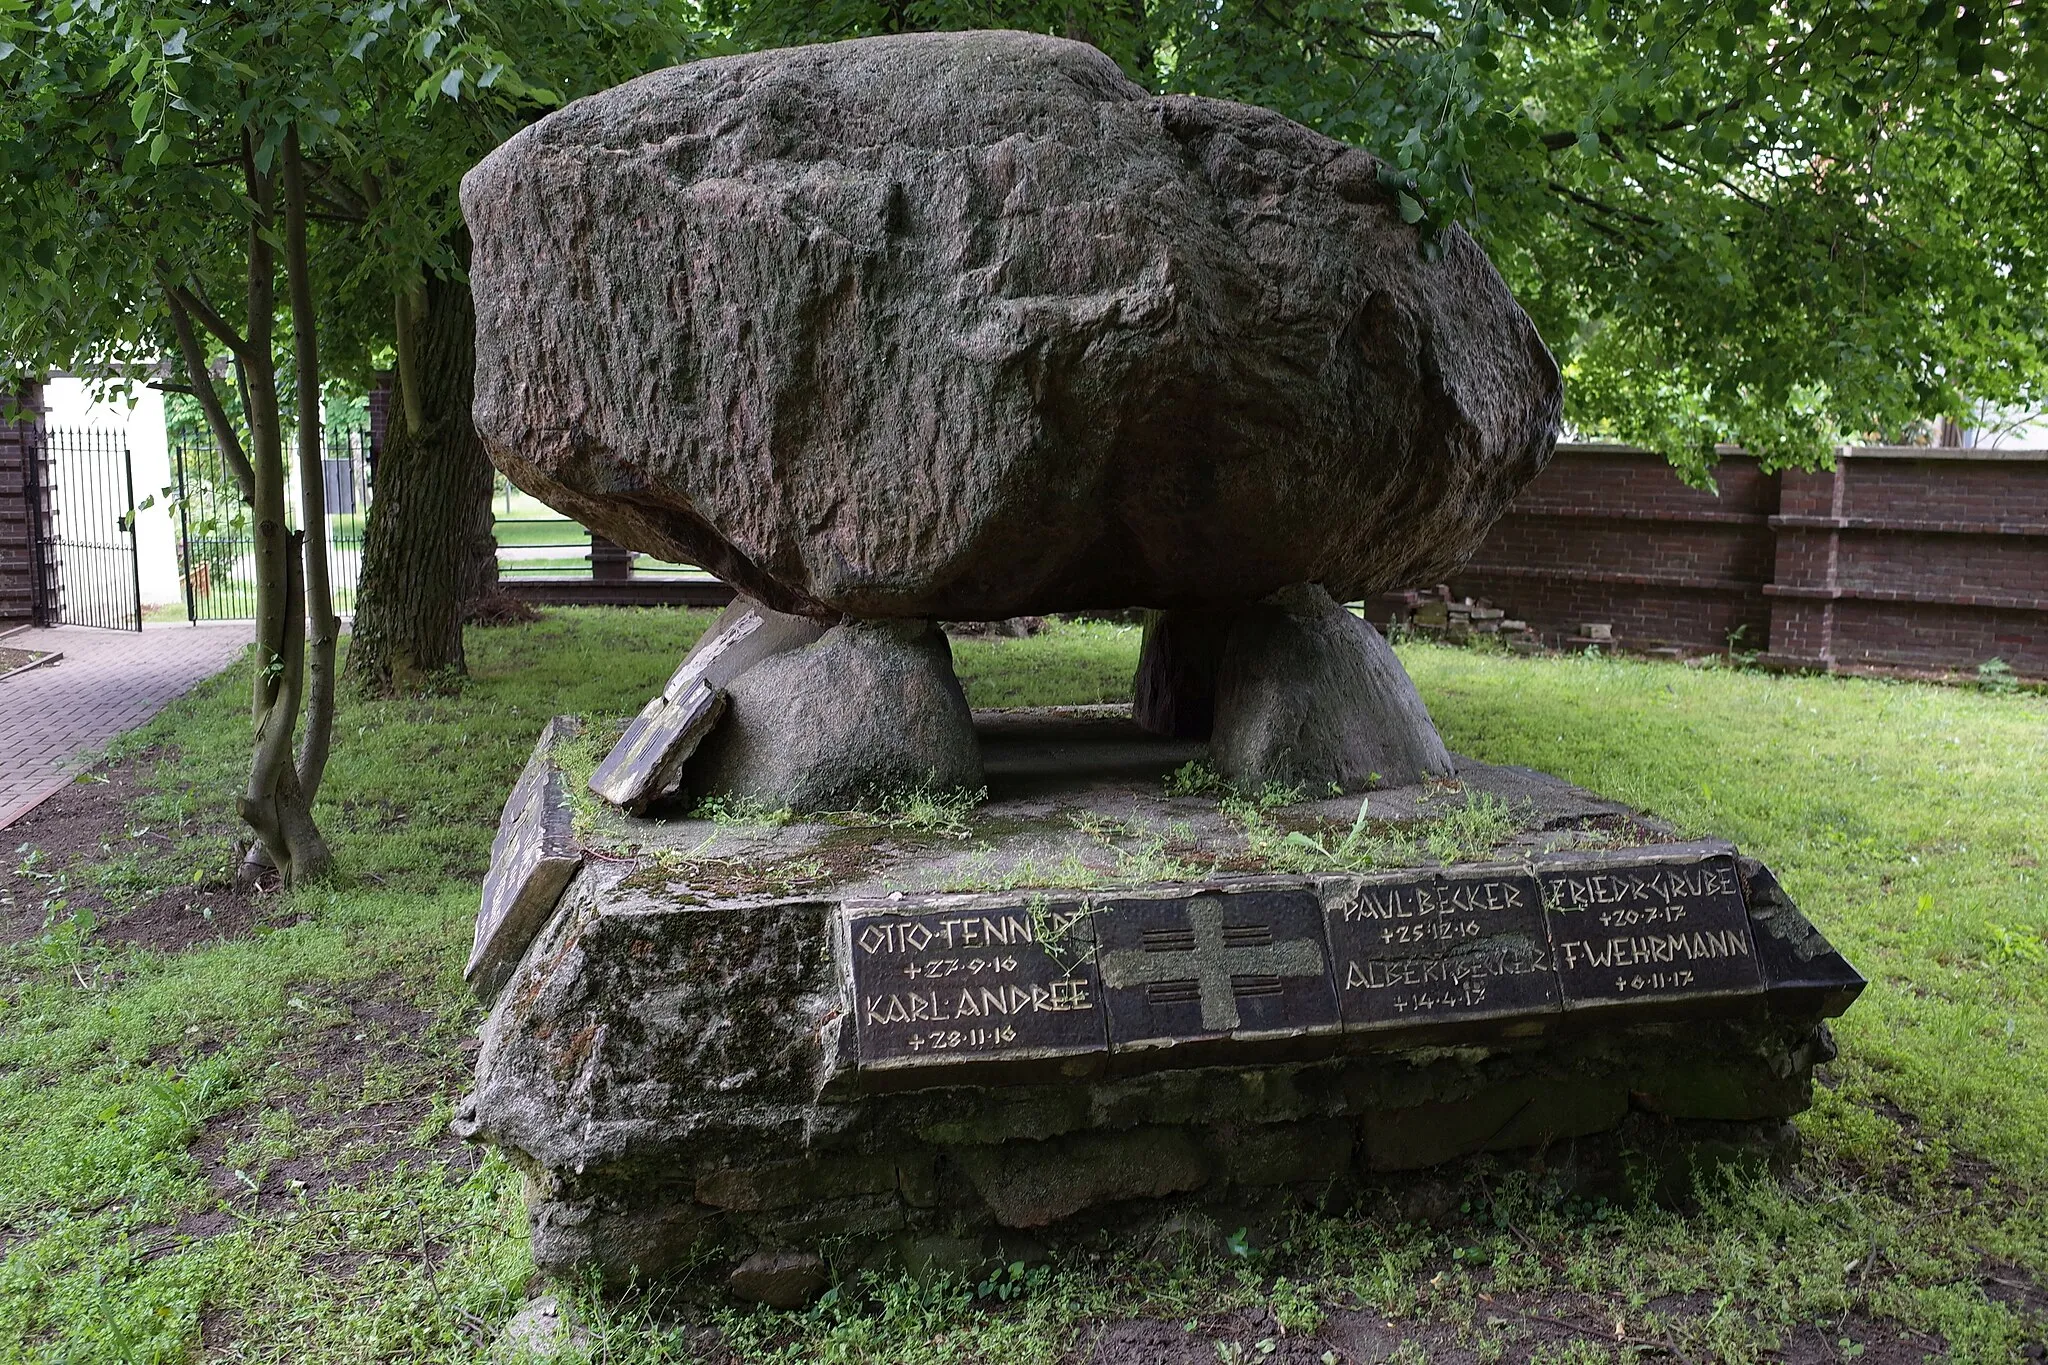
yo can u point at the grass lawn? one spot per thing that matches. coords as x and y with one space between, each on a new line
222 1118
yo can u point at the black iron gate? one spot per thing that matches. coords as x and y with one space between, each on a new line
217 547
87 570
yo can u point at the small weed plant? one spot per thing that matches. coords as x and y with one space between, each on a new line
1062 934
1195 778
740 810
1473 830
923 808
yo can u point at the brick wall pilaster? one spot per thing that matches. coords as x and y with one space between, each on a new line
1802 588
380 415
21 479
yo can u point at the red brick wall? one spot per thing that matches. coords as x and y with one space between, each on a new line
17 465
1897 557
1610 534
1915 558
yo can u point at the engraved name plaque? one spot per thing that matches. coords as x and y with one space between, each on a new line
941 987
1439 948
1639 933
953 990
1246 966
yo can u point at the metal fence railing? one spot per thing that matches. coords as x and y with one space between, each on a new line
216 549
534 540
217 544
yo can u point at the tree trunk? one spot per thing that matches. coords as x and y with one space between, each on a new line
273 804
428 551
325 626
277 801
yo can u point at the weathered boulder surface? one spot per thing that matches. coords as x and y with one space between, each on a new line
780 1279
1293 690
970 326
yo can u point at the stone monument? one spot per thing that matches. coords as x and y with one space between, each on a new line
964 327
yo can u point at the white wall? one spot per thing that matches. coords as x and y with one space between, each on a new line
2033 436
2011 430
70 403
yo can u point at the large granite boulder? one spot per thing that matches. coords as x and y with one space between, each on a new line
970 326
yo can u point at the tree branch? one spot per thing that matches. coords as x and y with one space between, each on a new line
1559 140
338 192
194 356
197 307
1642 220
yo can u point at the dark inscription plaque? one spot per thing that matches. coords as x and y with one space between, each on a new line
953 986
1441 947
1648 931
1240 965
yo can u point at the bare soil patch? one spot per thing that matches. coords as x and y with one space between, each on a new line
351 1104
49 852
1518 1329
11 659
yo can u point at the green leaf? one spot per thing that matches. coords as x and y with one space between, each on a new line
1411 212
158 145
266 150
451 84
141 107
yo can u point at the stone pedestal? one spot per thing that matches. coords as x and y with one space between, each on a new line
1294 690
737 1044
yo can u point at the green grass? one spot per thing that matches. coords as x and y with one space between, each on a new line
562 532
523 519
142 1093
1072 663
1910 822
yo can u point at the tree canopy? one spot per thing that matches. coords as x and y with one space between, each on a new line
165 160
1779 224
120 138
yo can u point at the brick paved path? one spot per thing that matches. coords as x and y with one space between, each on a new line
53 719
